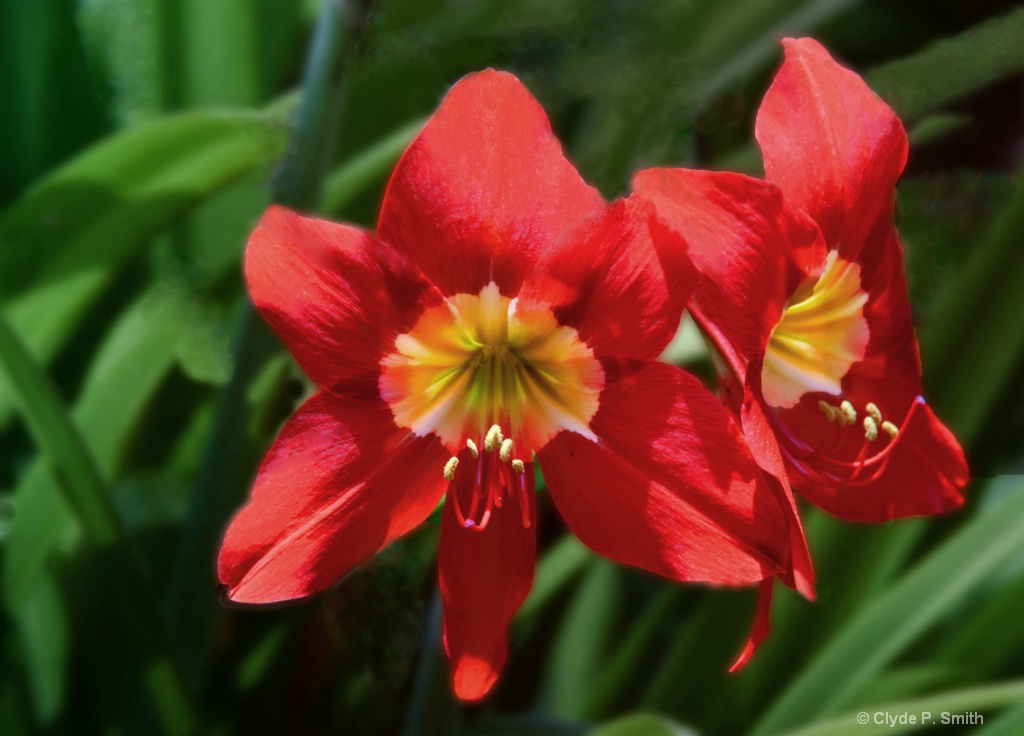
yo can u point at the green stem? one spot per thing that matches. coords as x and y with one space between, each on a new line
231 454
431 709
361 171
300 179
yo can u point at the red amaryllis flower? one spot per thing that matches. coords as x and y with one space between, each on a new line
502 312
806 298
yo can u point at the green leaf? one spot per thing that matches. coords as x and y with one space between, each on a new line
582 641
58 439
1010 723
620 671
128 368
642 724
46 85
895 620
353 177
984 642
64 241
43 631
134 358
953 67
979 335
562 563
930 709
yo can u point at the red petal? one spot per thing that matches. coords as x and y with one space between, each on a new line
340 482
670 487
485 577
889 377
832 144
335 296
607 281
762 625
925 475
746 245
765 449
484 189
890 373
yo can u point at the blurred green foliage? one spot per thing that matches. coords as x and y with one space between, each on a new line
140 140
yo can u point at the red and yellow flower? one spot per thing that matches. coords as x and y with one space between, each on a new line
502 315
805 297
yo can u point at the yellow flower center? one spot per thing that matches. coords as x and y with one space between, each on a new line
822 333
476 361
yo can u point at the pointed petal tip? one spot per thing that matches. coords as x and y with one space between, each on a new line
473 678
484 189
761 627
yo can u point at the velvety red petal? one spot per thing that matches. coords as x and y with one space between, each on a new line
890 373
889 377
832 144
485 576
484 189
926 475
670 486
607 281
750 250
762 625
765 449
340 482
335 296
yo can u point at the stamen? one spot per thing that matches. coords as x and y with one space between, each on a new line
506 451
493 439
830 412
473 448
449 469
524 496
519 466
848 415
873 412
816 464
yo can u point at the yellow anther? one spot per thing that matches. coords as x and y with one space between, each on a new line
873 412
493 439
870 429
472 448
847 414
506 451
890 429
828 410
519 466
449 469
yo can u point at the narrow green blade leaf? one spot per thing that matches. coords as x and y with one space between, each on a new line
981 338
1010 723
642 724
353 177
84 490
895 620
581 643
957 707
557 567
953 67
